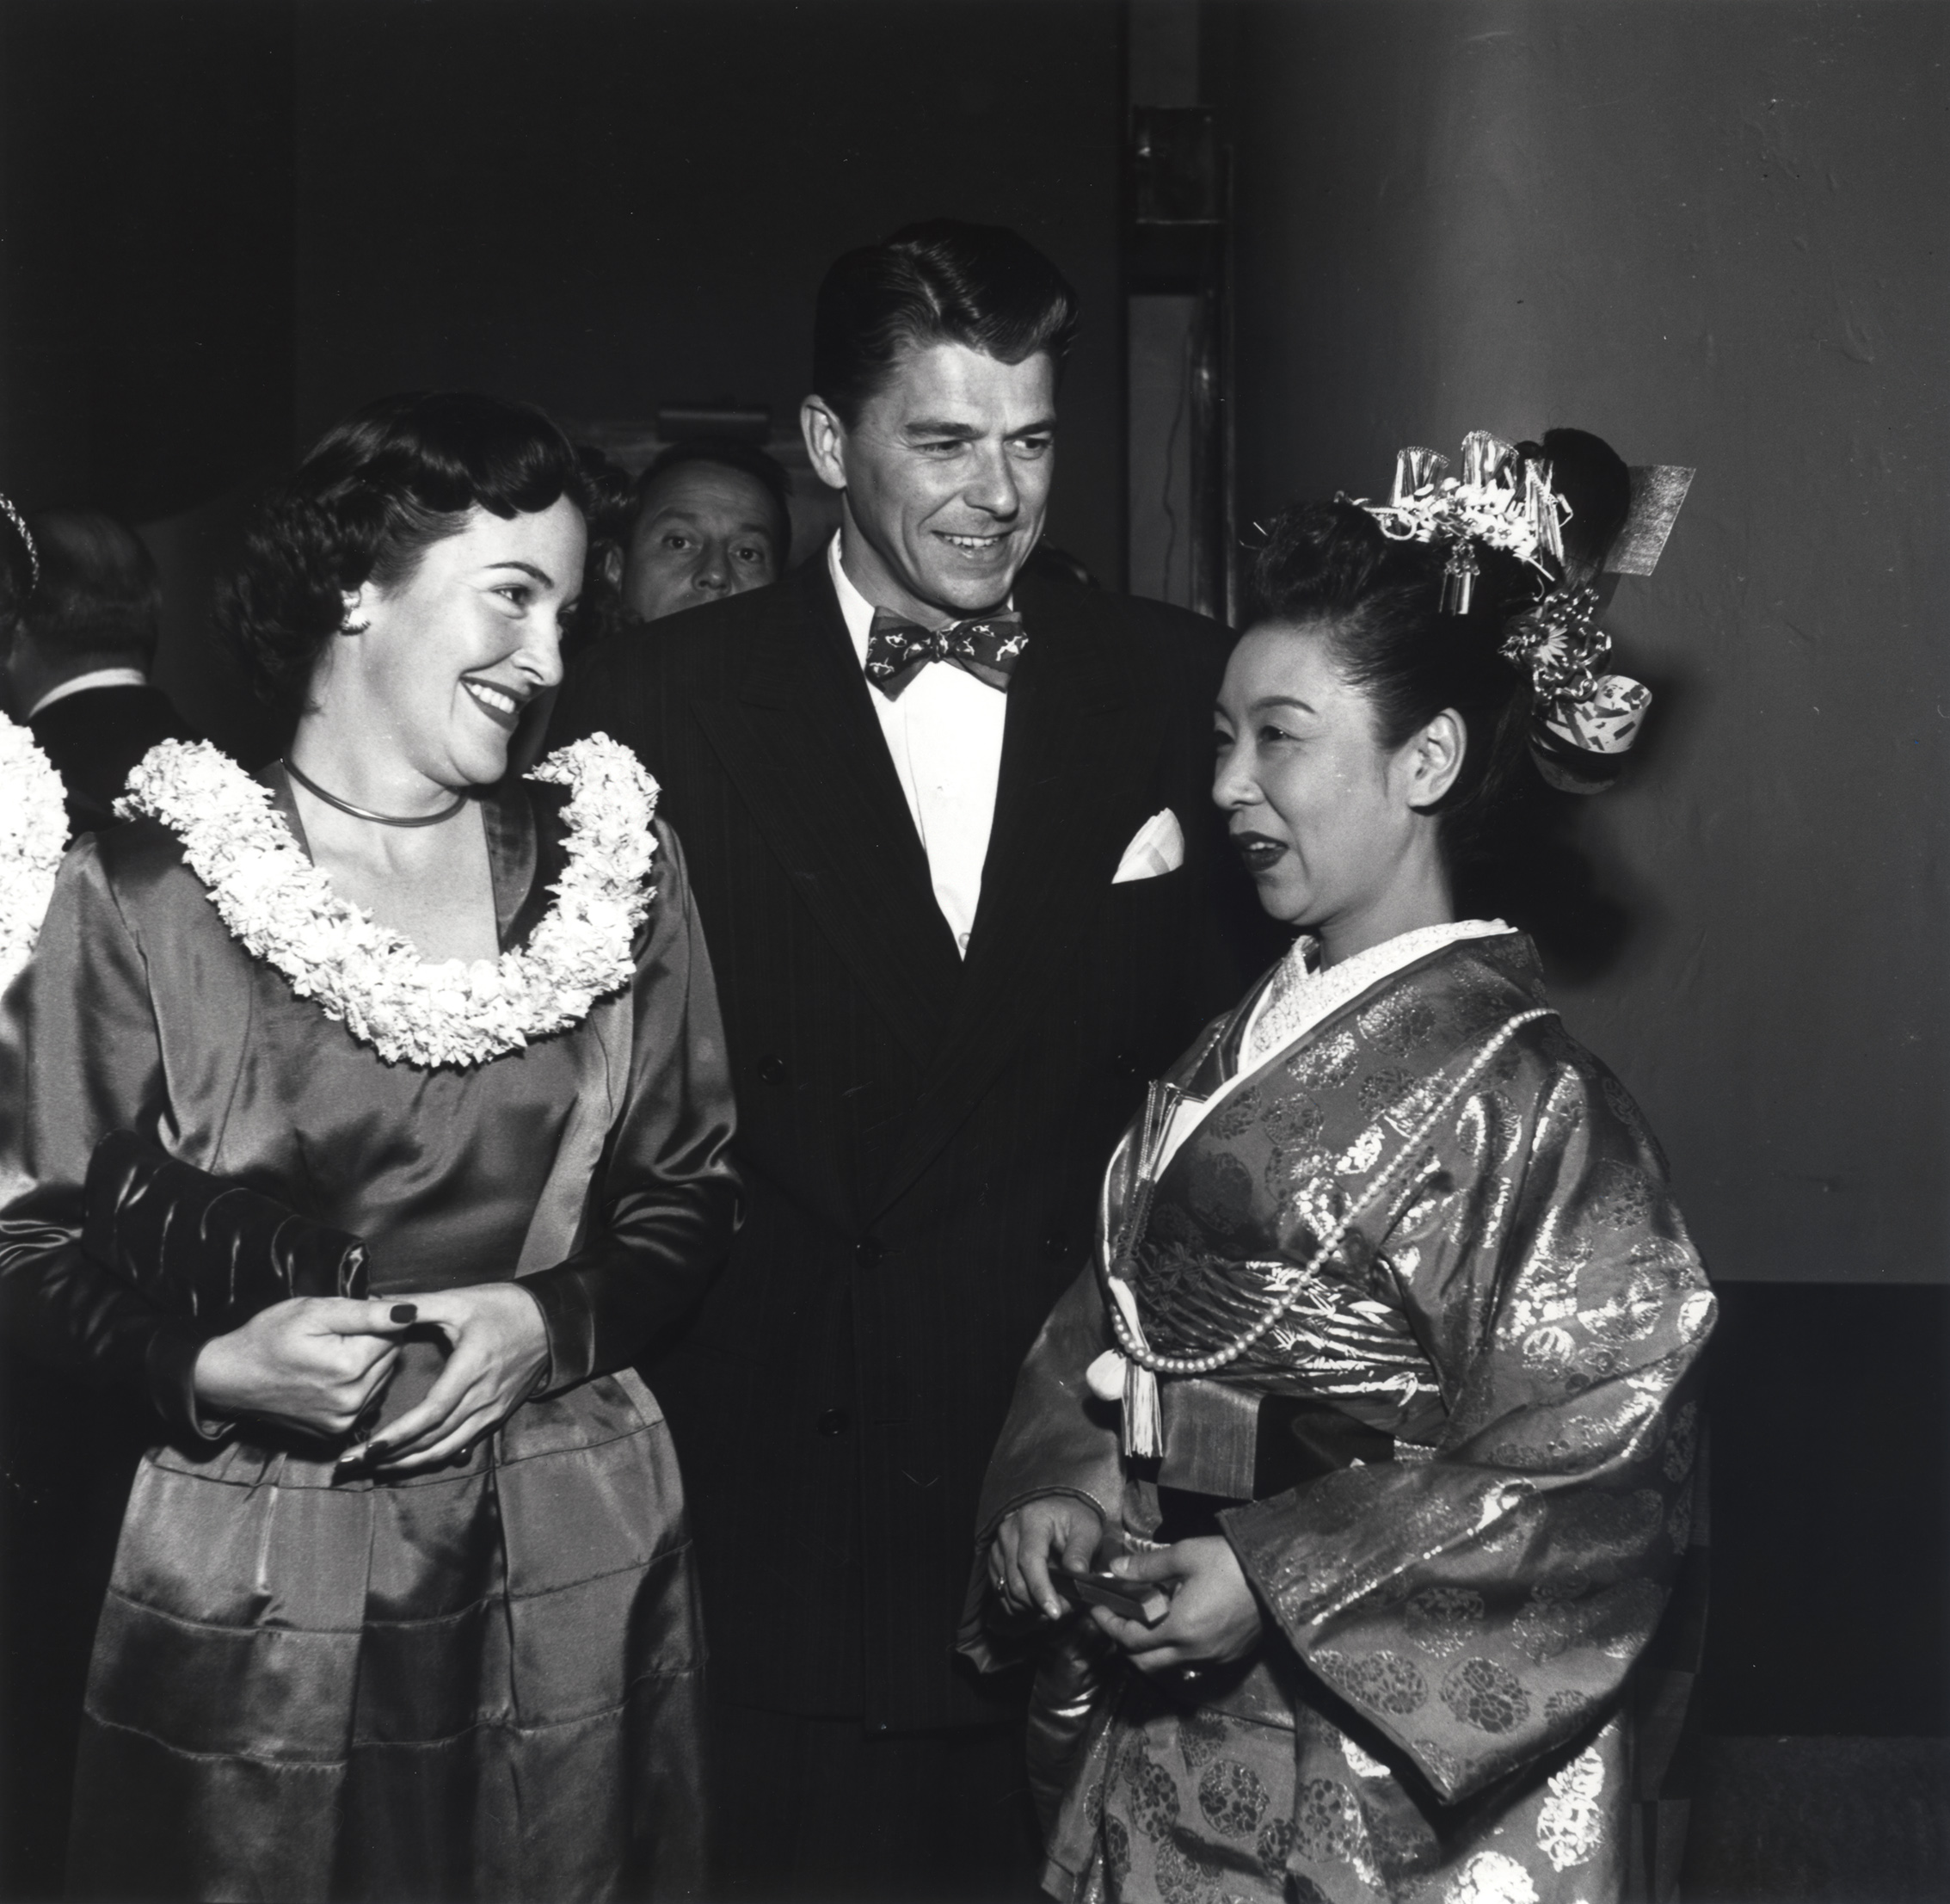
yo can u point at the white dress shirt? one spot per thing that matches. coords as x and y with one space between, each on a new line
944 733
100 677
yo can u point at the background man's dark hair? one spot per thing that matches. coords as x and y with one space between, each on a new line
940 281
727 453
99 596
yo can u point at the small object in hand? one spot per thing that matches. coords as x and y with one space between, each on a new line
1129 1600
403 1312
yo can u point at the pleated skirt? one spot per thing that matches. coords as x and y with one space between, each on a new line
483 1682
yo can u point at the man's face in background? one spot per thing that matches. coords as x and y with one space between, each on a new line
702 532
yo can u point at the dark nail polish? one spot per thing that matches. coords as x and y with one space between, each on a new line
404 1312
377 1451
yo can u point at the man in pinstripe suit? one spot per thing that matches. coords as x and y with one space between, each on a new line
949 838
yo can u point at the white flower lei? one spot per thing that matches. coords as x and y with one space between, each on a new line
281 908
34 830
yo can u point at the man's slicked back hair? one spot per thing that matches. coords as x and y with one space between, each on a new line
941 282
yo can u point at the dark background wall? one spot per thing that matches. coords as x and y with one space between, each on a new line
606 207
612 207
146 300
1717 236
230 221
145 185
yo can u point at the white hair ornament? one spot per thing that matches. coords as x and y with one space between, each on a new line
1503 500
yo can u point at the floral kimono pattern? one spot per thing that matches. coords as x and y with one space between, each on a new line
1463 1570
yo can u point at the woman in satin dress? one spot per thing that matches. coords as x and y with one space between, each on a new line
1386 1379
403 1605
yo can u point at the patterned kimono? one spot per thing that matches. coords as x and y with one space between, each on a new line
1458 1472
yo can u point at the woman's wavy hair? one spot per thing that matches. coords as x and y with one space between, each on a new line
375 493
1379 601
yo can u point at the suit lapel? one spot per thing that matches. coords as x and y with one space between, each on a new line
801 743
1071 752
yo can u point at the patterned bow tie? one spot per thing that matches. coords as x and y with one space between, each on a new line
988 646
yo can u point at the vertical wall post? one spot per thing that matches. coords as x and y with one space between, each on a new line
1177 254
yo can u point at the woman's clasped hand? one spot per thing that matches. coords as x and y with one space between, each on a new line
1214 1617
497 1351
319 1366
1058 1530
313 1364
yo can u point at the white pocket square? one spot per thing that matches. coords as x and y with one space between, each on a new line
1159 848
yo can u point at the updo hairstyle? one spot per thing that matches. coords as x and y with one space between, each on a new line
1328 565
376 493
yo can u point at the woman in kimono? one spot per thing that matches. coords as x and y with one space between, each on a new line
1382 1385
371 1117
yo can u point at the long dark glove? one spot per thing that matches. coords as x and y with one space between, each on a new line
199 1246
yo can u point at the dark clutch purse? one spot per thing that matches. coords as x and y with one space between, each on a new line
200 1247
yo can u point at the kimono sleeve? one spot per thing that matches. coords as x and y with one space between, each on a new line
1482 1605
667 1195
80 1056
1058 1439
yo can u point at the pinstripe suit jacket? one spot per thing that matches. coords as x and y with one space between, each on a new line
922 1138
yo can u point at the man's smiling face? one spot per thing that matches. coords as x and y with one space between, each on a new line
946 471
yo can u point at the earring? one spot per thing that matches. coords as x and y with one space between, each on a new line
353 627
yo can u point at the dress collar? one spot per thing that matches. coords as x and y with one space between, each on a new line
515 848
1298 994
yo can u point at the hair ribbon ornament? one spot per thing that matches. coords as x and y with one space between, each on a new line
1584 719
1560 646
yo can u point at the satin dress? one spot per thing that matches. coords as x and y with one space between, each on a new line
1458 1473
482 1681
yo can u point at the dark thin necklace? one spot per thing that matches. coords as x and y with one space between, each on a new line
366 813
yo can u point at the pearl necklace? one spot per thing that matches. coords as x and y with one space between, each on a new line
1141 1356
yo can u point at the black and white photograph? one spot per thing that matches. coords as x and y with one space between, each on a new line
966 951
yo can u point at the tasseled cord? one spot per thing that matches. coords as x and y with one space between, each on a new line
1112 1378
